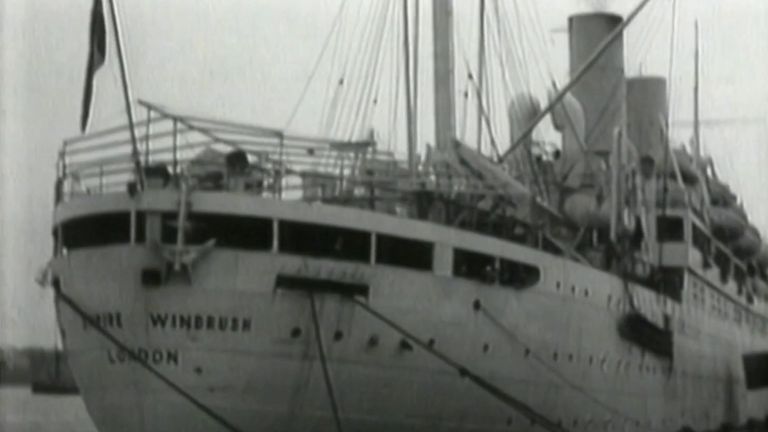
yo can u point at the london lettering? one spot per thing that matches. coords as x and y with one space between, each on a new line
152 356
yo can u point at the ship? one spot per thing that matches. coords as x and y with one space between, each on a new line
217 275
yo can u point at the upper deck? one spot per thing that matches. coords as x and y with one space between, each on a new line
212 155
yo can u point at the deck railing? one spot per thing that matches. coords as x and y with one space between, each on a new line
196 148
173 147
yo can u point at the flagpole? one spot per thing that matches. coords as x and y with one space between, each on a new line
127 94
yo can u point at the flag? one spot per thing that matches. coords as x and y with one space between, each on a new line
96 57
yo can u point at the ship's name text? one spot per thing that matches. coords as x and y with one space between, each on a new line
152 356
200 322
106 320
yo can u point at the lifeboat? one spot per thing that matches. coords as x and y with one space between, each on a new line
583 209
720 194
687 167
762 257
728 225
676 196
748 245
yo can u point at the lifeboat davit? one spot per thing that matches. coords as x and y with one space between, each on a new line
748 245
728 225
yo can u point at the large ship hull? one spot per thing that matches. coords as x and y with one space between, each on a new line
230 332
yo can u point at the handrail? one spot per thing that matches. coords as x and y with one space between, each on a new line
100 162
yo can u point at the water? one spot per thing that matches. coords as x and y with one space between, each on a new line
22 411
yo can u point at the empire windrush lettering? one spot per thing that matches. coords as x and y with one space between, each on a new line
178 321
106 320
200 322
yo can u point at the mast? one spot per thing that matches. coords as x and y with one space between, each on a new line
411 135
442 28
480 77
696 118
127 94
416 38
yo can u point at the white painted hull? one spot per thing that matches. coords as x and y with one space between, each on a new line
558 351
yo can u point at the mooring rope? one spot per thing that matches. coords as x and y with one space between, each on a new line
77 309
504 397
324 363
478 306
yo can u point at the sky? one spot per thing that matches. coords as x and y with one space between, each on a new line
248 60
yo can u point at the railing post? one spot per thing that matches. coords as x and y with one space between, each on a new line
279 179
63 161
175 148
58 192
148 131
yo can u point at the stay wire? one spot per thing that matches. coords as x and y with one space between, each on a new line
371 100
515 338
366 54
340 84
499 394
476 88
316 66
670 86
354 64
77 309
331 80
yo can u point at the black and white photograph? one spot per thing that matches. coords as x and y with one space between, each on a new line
383 215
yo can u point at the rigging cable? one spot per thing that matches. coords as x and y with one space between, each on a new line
367 69
672 46
579 74
315 68
371 101
470 78
395 96
499 394
330 84
78 310
653 33
356 56
340 86
542 39
665 129
493 319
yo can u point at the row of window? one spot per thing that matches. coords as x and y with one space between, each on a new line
723 308
672 229
490 269
322 241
